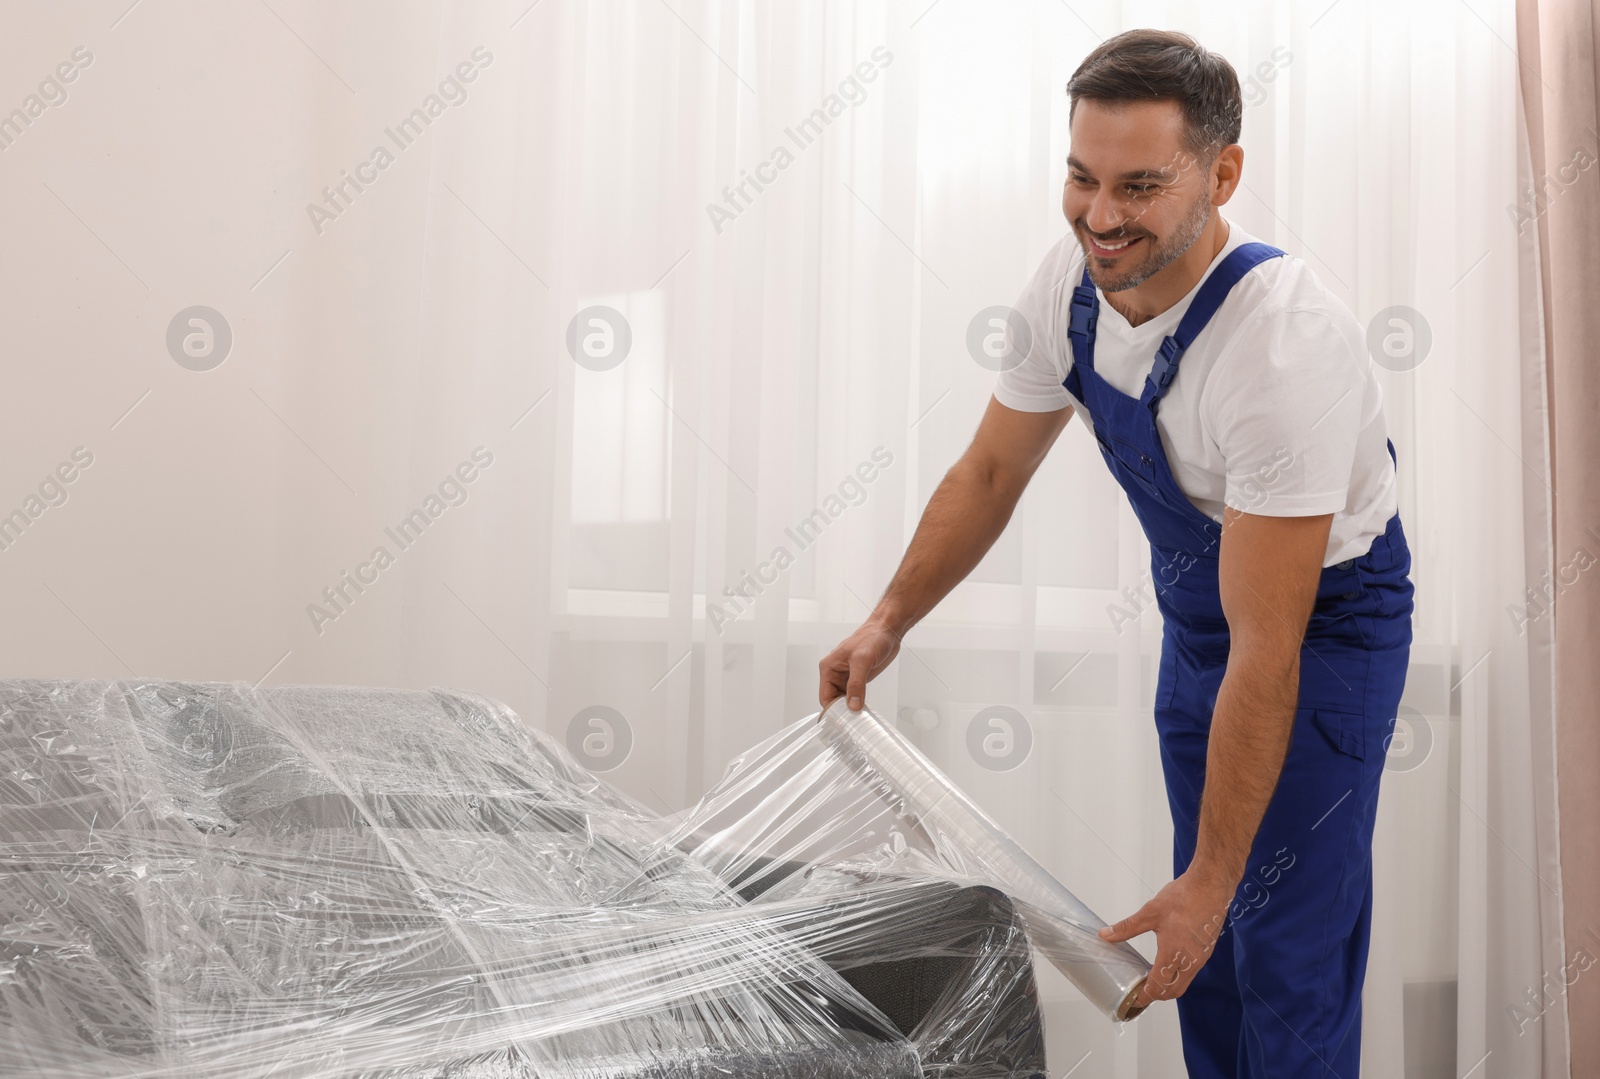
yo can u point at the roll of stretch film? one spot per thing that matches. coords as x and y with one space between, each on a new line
965 839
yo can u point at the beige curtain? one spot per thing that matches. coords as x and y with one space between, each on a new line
1557 42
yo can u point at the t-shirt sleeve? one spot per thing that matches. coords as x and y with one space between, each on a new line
1031 365
1286 412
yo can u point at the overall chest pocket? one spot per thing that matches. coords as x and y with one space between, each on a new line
1129 464
1127 451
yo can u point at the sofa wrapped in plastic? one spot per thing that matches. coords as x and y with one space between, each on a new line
218 880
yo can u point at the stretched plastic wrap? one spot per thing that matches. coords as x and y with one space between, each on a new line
216 880
849 791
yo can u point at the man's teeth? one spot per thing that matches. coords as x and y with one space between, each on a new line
1113 247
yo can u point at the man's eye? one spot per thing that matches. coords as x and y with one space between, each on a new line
1132 189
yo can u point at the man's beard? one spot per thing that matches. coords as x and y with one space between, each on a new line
1157 258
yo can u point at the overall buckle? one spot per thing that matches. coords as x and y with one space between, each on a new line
1083 312
1166 364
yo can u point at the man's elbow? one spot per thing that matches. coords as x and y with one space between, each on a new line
991 477
1275 659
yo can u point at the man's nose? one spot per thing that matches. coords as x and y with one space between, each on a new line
1104 215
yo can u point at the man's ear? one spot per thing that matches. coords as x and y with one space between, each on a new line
1225 173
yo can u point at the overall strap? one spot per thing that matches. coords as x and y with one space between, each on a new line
1083 314
1240 261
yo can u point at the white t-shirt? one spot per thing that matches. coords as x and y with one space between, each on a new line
1275 408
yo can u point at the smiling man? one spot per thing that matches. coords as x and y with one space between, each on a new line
1233 400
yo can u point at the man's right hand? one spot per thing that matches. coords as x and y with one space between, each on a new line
859 659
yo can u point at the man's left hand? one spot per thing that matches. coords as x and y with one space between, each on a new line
1187 917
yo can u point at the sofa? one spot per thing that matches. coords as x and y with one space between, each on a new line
216 879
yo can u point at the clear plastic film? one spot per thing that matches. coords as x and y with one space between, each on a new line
214 879
846 791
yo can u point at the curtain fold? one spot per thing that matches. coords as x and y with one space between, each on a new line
1561 88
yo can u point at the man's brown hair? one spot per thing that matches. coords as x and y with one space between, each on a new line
1162 65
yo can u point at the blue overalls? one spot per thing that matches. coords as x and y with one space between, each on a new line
1280 994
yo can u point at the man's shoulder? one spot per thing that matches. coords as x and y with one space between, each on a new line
1034 384
1060 269
1044 300
1286 292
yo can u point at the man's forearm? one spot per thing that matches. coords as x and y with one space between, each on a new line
1250 729
967 513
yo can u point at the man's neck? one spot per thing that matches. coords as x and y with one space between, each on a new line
1144 302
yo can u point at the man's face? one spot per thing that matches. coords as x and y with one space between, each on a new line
1131 182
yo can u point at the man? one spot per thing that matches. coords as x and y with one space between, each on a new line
1232 398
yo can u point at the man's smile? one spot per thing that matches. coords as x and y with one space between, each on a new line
1111 250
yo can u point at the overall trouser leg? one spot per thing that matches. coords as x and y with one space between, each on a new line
1210 1014
1280 994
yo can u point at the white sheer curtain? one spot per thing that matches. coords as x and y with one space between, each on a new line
663 546
830 316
